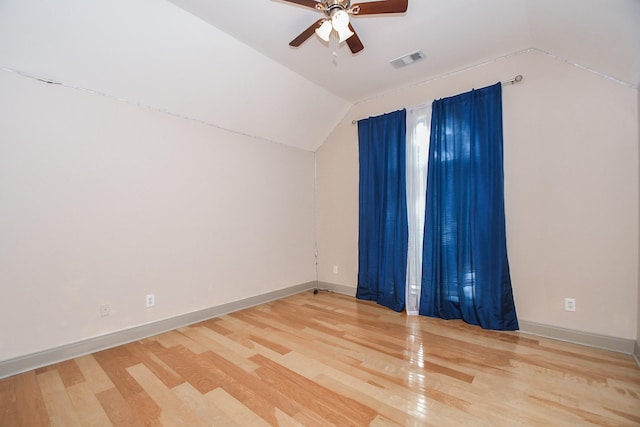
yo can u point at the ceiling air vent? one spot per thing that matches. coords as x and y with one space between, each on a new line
407 59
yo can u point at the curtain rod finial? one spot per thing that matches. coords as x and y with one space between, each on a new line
516 79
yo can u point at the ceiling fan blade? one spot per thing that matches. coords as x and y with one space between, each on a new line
305 34
354 42
308 3
375 7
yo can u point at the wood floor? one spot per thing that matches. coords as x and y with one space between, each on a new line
328 359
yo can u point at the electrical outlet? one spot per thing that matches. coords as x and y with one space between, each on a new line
570 304
105 310
150 300
335 269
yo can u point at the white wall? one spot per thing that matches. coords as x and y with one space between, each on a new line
102 201
571 188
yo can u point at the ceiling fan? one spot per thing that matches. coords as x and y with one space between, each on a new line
336 18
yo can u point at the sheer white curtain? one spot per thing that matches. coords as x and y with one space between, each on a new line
418 130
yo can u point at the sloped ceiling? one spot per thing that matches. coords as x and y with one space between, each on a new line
152 53
228 63
603 35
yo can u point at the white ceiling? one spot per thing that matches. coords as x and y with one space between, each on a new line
603 35
227 63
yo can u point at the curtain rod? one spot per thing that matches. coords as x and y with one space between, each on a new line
516 79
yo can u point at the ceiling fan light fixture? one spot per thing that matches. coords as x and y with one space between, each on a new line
324 30
340 20
344 33
336 13
340 23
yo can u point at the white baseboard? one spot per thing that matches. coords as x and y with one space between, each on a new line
69 351
605 342
636 353
339 289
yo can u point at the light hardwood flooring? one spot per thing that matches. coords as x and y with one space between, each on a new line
329 359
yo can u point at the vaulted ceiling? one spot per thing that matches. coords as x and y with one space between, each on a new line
600 34
228 63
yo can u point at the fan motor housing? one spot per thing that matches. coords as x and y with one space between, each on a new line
330 5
